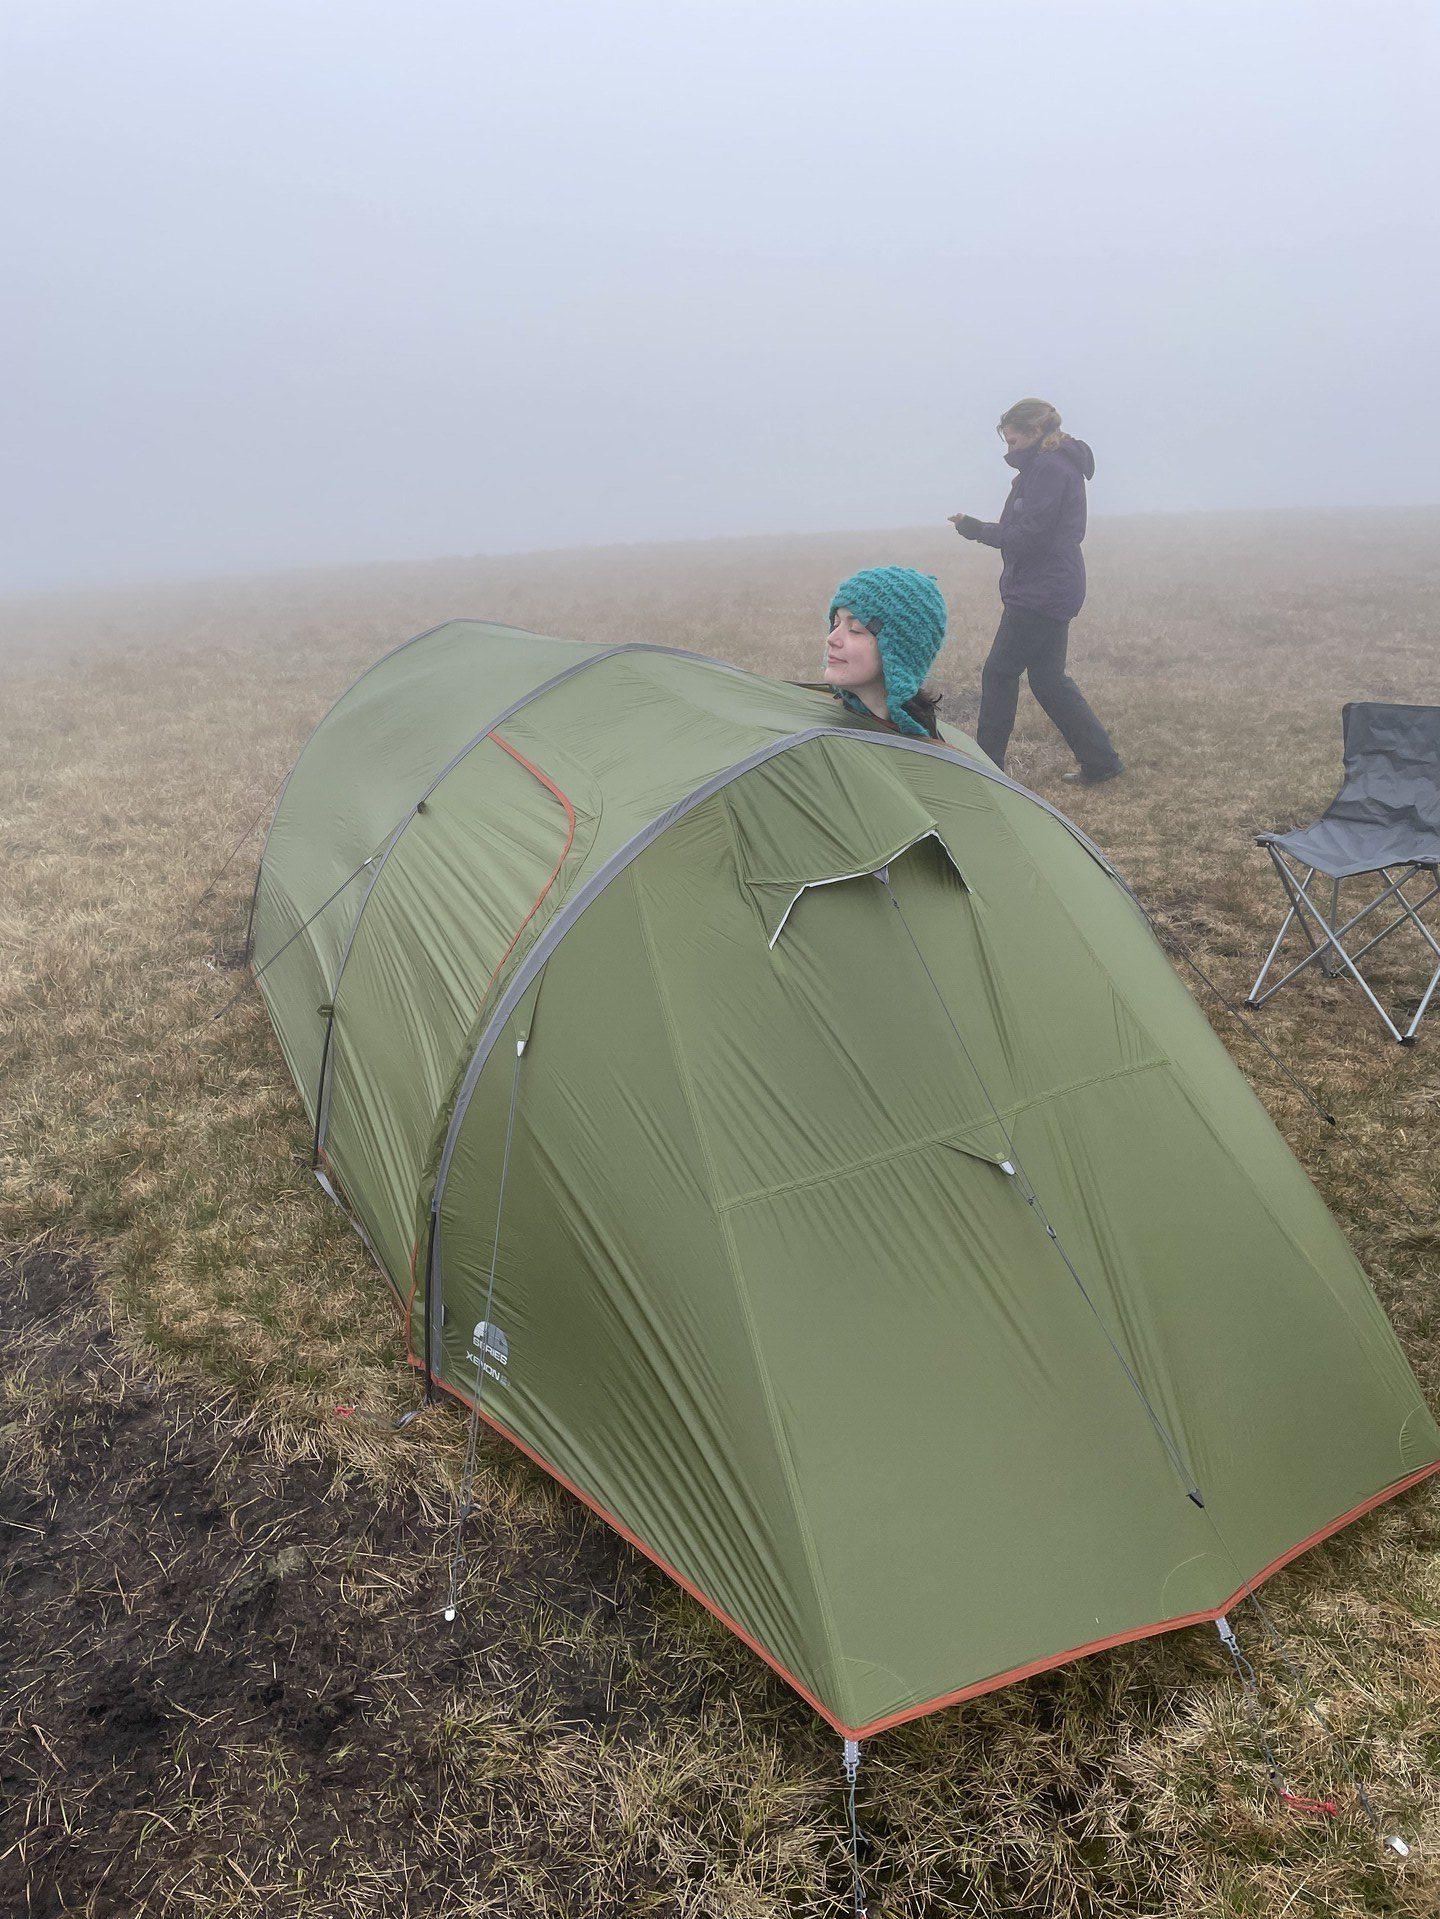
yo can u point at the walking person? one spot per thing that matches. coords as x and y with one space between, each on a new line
1042 587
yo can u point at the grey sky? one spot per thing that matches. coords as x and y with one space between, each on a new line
313 280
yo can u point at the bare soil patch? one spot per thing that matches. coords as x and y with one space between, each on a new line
188 1620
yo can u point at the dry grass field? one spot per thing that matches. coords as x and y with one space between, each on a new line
224 1684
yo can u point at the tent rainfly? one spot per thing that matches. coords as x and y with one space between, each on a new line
794 1137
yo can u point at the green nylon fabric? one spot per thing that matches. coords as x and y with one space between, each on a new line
764 1291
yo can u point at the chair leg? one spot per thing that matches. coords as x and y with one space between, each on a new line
1254 996
1408 1037
1328 950
1413 908
1301 909
1329 967
1332 938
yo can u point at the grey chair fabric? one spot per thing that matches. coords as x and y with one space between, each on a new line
1387 812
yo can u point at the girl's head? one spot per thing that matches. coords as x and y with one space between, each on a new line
886 626
1030 423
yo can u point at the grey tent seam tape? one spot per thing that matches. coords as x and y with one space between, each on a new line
429 1370
435 1319
317 1140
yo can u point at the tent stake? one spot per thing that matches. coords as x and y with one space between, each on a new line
851 1761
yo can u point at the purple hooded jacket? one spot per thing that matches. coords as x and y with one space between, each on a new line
1040 529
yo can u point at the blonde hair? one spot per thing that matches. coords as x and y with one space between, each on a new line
1030 416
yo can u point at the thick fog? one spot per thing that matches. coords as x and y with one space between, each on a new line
315 280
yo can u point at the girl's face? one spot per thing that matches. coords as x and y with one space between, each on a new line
852 657
1016 439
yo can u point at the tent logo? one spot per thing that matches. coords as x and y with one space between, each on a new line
488 1343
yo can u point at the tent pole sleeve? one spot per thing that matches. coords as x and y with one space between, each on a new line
429 1292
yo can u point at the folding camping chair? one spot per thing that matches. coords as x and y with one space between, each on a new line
1385 822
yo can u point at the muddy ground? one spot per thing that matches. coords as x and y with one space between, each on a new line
227 1684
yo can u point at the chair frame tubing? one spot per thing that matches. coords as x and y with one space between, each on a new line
1325 938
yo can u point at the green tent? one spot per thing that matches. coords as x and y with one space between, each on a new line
793 1135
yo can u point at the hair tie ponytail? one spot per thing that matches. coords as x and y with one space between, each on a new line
1034 416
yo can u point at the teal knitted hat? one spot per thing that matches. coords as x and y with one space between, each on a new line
905 610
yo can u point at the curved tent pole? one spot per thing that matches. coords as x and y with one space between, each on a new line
898 742
560 924
429 1371
485 1344
622 857
570 911
567 915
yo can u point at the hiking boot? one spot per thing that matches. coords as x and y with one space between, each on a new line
1092 776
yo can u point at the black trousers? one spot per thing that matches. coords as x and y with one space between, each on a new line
1030 643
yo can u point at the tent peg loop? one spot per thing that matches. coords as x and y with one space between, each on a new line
1245 1672
851 1763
